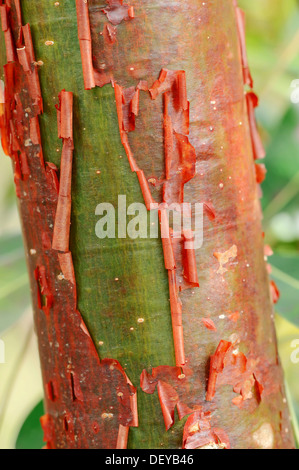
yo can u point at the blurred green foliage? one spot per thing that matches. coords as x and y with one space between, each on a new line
14 292
272 44
31 435
272 35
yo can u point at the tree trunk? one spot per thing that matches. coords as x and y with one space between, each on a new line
144 342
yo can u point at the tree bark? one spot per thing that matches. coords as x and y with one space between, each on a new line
143 344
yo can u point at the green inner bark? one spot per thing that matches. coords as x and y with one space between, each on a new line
109 307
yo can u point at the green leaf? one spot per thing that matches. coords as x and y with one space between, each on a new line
14 288
31 434
285 274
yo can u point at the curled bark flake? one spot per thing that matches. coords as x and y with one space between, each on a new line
275 294
198 433
216 366
119 99
260 172
228 366
257 146
172 387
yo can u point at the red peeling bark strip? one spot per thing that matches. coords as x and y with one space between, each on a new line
146 192
91 77
251 98
4 19
127 106
176 318
122 437
118 91
169 260
9 44
257 146
35 131
3 130
23 59
32 74
63 213
241 32
216 366
85 43
19 22
189 260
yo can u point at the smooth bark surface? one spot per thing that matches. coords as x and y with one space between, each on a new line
120 289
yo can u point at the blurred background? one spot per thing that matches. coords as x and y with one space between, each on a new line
272 44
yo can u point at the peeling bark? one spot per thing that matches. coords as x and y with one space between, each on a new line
187 331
